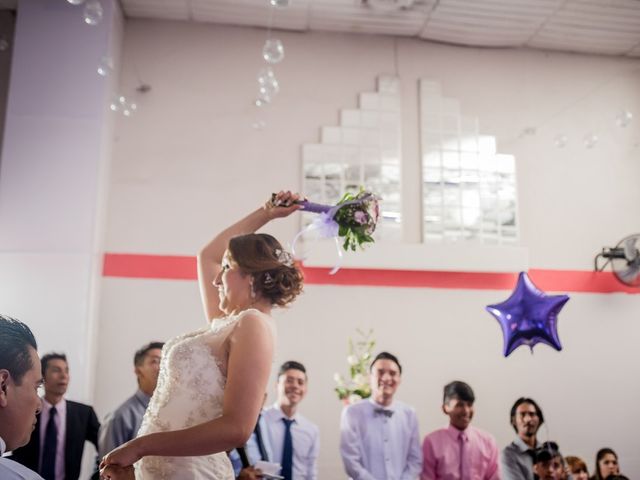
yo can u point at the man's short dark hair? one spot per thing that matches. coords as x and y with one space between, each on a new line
44 361
386 356
292 365
138 358
459 390
519 402
15 340
546 452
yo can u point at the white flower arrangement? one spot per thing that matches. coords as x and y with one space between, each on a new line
356 387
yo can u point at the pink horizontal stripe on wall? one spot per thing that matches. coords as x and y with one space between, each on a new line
170 267
173 267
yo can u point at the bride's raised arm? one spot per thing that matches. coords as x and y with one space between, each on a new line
257 276
210 257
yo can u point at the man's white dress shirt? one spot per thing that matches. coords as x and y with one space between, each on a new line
10 470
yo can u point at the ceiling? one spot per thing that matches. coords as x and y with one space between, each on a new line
607 27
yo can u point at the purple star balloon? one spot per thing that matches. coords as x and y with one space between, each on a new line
529 316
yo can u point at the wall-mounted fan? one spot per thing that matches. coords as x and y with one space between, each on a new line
624 259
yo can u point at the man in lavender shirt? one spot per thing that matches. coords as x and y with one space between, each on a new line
379 438
459 451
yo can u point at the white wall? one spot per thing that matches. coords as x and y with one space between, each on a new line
189 163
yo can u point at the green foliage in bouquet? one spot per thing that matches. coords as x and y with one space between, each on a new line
356 386
357 221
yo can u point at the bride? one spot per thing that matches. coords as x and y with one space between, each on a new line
212 381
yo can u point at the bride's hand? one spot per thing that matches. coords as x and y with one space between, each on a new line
113 472
282 204
123 456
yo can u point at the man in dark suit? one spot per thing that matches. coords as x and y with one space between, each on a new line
56 445
20 378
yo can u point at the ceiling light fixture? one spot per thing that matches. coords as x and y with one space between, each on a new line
388 5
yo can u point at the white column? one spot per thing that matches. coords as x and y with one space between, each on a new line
53 177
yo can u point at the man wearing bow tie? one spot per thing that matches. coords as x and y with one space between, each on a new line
379 438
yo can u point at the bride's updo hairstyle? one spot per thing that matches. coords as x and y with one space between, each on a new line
275 275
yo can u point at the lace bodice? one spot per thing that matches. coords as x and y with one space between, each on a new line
193 373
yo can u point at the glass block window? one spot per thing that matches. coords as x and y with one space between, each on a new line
364 150
469 190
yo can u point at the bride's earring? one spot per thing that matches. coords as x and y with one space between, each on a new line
252 291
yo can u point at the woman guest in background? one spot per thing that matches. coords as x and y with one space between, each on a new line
577 468
212 381
606 464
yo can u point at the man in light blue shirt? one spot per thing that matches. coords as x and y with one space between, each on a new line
294 439
122 425
258 447
20 378
379 437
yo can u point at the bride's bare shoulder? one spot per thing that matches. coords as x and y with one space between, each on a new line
253 319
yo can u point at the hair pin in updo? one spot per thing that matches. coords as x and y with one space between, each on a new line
283 257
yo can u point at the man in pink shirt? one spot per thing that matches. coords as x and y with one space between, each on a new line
460 451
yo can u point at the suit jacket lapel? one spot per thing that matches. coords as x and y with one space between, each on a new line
36 441
71 427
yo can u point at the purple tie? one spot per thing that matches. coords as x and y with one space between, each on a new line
50 447
464 458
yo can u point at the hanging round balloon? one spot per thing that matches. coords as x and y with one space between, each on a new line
129 109
120 104
259 125
273 50
590 140
529 316
269 89
560 141
105 67
93 12
272 53
623 119
266 75
264 98
116 104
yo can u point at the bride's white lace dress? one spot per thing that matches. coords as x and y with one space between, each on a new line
193 373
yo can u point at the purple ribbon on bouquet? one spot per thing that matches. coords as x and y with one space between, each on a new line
325 225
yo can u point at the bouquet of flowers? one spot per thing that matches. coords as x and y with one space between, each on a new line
353 218
356 387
